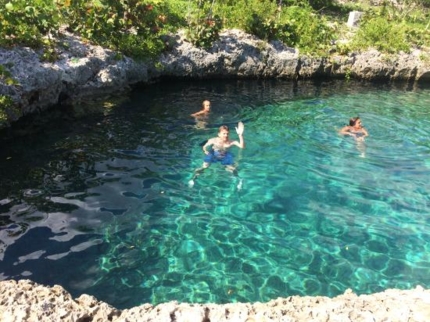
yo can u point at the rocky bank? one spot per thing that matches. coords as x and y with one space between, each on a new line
28 301
85 72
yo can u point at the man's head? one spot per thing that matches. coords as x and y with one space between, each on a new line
206 105
223 132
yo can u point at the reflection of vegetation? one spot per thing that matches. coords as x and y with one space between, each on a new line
4 220
18 229
84 229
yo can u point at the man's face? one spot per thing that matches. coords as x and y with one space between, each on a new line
223 135
207 106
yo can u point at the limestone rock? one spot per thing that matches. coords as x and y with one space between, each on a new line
27 301
85 72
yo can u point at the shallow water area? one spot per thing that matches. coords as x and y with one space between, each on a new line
101 204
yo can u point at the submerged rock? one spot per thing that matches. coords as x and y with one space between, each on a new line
28 301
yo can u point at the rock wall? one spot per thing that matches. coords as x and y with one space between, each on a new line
84 72
240 55
27 301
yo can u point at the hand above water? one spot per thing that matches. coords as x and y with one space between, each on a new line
240 128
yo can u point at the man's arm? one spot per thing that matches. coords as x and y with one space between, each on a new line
239 130
241 142
198 113
208 143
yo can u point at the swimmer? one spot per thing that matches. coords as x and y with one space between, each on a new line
358 132
219 151
355 129
202 116
206 108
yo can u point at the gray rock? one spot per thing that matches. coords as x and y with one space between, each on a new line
85 72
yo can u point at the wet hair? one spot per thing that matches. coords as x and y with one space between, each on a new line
353 120
223 127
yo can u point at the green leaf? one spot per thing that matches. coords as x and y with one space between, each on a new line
9 6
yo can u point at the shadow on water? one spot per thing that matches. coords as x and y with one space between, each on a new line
95 198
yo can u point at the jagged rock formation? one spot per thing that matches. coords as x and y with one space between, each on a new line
85 72
82 72
27 301
240 55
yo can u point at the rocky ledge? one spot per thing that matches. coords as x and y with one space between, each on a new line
85 72
27 301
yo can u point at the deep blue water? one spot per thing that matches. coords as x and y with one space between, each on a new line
100 204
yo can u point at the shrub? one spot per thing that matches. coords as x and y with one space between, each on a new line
378 33
202 32
6 76
203 25
5 103
26 23
130 26
305 29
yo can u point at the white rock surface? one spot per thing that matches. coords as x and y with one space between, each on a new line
30 302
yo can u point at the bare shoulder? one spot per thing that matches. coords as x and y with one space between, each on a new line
196 113
345 129
212 140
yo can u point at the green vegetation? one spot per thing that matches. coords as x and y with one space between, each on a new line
135 27
5 103
6 76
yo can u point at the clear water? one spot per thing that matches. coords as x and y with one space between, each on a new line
101 205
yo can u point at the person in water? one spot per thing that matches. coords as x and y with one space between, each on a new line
218 151
355 129
358 132
202 116
206 108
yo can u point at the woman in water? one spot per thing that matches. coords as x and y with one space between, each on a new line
355 129
358 132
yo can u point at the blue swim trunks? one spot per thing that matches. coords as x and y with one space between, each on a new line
226 158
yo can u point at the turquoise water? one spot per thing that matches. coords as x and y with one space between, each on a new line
101 204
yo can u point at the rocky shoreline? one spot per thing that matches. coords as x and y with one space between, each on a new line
28 301
84 72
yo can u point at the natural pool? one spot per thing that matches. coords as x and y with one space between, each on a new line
101 205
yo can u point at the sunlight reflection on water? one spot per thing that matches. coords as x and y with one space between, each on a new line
103 206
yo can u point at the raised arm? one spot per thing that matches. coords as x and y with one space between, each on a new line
241 142
239 130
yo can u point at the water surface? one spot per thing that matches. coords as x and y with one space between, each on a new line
101 205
